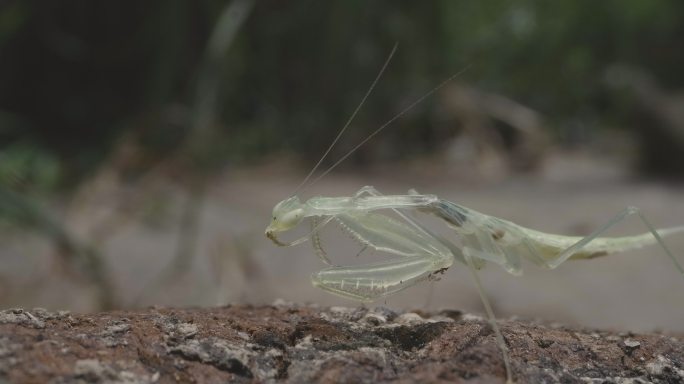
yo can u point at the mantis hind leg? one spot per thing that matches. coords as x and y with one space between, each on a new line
567 253
501 343
419 270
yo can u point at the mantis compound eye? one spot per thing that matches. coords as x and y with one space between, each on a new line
292 218
286 215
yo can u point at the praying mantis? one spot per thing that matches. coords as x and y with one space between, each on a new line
420 254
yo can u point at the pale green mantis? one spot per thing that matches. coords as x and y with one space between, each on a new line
420 254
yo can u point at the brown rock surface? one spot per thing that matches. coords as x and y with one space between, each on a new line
298 344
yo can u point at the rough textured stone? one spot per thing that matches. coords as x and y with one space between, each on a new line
291 343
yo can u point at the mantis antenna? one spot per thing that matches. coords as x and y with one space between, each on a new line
353 115
390 121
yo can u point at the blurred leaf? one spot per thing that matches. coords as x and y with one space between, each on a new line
25 167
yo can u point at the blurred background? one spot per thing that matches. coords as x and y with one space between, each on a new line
144 144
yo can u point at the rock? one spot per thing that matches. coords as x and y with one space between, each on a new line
292 343
22 317
629 345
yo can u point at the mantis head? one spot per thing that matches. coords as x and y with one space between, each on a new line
286 215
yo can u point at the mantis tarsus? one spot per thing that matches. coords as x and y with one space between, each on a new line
421 254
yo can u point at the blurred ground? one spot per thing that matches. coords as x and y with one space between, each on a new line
234 262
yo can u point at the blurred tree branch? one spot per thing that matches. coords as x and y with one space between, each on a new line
26 213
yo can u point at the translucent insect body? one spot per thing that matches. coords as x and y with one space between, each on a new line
421 254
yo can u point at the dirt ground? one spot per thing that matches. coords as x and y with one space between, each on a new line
233 262
288 343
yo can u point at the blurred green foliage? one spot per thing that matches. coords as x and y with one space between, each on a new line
77 76
27 168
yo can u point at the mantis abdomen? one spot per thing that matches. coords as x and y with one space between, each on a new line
550 245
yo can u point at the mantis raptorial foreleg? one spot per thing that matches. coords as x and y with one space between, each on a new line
372 281
424 254
316 241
